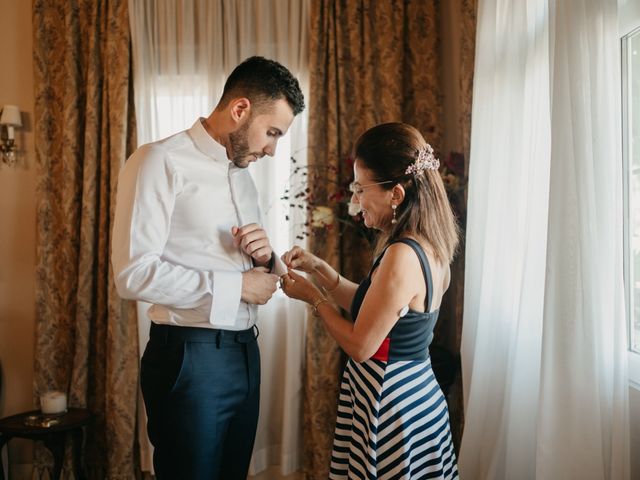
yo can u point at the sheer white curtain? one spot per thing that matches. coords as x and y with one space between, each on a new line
544 339
183 52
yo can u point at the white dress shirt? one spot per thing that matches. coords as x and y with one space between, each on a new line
176 202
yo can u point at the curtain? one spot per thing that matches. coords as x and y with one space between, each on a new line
359 78
544 338
85 335
183 52
457 27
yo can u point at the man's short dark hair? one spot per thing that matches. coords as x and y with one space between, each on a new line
262 80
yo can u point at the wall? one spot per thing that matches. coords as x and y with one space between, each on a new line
17 229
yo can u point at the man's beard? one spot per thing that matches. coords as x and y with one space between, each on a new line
240 146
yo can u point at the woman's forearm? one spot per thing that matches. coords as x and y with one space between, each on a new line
340 289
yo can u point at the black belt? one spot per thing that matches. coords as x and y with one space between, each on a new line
203 335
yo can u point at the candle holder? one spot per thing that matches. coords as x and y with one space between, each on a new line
42 420
10 119
53 403
8 149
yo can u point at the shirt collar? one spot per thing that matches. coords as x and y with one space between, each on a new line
206 144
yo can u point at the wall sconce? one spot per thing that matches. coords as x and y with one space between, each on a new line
9 119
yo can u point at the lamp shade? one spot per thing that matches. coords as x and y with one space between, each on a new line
11 116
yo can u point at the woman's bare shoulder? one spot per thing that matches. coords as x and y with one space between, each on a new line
401 258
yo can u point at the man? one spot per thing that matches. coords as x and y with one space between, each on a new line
187 239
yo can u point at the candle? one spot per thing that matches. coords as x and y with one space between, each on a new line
53 403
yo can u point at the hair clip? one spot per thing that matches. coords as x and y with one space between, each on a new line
424 161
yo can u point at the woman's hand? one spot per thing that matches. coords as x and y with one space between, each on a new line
300 259
298 287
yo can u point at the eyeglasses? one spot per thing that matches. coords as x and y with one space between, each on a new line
357 189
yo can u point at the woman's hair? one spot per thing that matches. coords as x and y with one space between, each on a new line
387 150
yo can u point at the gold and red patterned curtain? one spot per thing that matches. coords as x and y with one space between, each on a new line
86 337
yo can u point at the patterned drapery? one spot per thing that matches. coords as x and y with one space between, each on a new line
86 337
374 62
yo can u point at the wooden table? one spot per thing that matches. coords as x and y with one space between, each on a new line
54 436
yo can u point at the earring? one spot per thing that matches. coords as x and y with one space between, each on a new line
394 220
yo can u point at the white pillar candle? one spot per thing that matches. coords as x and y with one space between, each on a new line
53 402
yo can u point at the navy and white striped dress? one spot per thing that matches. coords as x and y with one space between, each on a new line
393 421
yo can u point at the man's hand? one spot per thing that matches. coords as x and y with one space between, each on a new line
258 285
254 242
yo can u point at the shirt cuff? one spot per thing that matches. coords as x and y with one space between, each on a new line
279 268
227 290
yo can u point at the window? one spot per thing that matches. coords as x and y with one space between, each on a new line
167 104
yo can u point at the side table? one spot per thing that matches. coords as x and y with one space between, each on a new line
54 436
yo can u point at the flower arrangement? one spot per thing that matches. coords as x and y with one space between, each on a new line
331 210
452 173
328 210
455 181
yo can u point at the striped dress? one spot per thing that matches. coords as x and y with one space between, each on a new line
393 421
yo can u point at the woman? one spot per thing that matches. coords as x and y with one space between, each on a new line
392 421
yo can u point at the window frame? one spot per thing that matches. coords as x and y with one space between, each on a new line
629 24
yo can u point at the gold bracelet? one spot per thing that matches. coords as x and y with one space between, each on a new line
319 301
329 290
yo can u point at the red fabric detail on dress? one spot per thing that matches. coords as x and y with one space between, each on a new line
383 351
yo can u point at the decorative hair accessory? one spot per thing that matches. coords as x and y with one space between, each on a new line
424 161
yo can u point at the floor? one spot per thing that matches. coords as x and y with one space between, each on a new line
273 473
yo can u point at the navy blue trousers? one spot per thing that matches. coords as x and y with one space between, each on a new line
201 389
